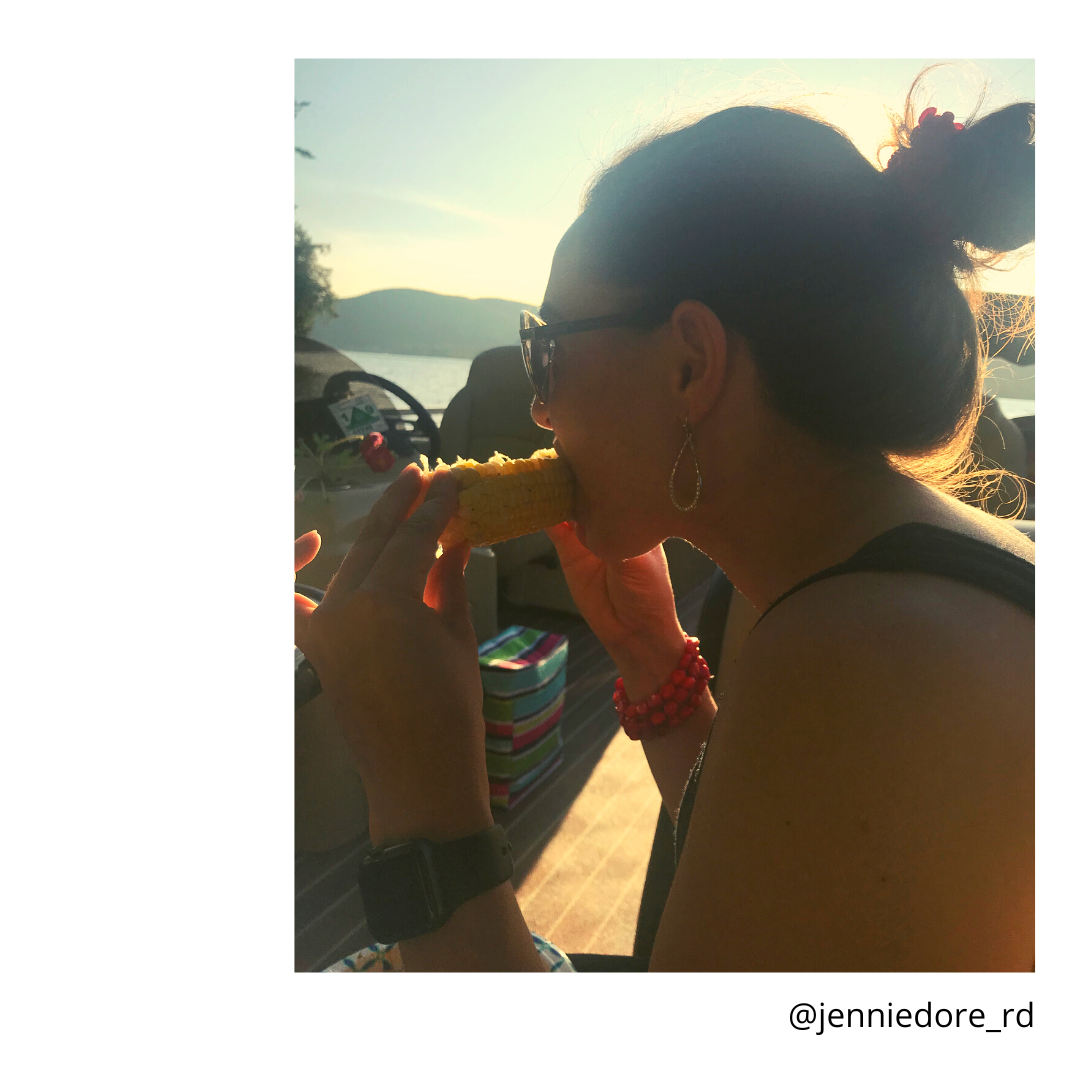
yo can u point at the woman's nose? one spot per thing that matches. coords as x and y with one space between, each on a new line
540 414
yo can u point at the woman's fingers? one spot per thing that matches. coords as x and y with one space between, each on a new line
386 515
305 549
405 561
568 547
445 589
303 607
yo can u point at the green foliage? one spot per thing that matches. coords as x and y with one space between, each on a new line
329 465
314 296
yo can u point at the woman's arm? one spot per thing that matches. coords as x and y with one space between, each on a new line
631 609
396 654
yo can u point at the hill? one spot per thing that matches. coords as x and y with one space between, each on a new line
416 323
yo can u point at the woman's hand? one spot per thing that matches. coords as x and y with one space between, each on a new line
395 651
630 607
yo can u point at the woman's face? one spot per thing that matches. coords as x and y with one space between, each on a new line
612 412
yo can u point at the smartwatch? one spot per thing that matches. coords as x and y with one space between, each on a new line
413 888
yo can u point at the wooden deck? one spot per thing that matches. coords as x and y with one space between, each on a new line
581 843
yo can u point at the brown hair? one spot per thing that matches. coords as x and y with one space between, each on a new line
846 280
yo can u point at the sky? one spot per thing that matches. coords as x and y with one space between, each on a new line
460 176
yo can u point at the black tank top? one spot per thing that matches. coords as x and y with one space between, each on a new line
927 549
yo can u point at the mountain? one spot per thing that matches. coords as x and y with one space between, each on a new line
416 323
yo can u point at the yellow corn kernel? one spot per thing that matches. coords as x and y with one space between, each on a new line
507 497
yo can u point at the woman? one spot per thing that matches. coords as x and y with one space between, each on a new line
788 374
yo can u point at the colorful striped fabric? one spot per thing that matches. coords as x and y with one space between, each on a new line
506 738
523 673
516 765
508 710
519 659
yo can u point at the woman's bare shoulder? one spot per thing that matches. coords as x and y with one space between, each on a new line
918 639
877 742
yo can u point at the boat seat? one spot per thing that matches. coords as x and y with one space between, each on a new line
492 411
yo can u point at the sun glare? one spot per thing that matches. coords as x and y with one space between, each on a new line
512 258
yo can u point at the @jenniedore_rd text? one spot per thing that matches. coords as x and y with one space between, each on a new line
818 1019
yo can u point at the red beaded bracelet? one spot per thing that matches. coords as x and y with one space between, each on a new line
669 706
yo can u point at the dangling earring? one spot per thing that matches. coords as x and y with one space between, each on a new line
697 469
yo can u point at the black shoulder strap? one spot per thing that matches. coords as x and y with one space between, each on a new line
930 549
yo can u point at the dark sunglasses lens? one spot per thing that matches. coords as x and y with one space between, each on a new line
537 362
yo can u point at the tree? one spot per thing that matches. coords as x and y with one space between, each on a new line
314 296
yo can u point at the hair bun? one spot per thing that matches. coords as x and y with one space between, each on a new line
975 185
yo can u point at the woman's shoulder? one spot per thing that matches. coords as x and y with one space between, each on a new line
877 741
893 648
957 575
894 623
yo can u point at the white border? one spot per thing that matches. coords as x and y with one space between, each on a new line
149 750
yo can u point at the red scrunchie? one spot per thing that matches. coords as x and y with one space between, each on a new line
937 127
931 114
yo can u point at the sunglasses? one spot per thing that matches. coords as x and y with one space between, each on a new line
538 343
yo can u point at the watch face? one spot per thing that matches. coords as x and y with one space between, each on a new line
400 893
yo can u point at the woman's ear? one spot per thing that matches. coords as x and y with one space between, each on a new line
700 358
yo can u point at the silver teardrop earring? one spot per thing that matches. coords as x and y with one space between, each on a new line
697 470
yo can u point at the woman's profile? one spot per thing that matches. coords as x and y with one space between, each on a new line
758 340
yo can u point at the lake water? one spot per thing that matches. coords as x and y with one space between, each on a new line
434 380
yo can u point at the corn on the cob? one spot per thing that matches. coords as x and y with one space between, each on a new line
507 497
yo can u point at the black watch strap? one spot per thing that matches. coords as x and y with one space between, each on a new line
412 888
473 865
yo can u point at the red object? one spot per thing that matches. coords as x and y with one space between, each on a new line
929 121
931 114
376 453
671 704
